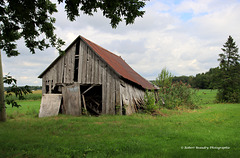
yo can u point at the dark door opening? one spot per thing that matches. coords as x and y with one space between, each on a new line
92 98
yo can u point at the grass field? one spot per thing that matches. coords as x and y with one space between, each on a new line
178 133
207 96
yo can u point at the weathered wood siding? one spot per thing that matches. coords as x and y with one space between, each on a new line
91 70
131 97
61 71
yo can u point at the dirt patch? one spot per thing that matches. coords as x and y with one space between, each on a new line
156 113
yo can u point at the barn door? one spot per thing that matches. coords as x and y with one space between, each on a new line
72 100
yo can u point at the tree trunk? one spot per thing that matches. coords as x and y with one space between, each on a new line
3 116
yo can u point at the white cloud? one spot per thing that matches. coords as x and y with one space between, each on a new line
195 6
184 36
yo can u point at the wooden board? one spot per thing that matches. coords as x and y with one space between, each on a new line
80 66
113 94
84 63
50 105
118 98
131 97
72 100
104 89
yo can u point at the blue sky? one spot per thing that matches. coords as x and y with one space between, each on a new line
185 36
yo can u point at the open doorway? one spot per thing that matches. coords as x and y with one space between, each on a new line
92 98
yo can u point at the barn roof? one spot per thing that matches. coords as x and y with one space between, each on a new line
116 63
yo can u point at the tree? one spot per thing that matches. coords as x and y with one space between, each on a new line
164 79
3 115
229 83
19 92
32 21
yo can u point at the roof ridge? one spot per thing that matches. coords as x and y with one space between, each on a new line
99 46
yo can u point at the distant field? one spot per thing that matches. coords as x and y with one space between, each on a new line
35 95
179 133
207 96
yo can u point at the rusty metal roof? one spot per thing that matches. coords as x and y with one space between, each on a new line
120 66
114 61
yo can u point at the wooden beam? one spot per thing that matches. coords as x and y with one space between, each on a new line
93 110
98 104
84 103
88 89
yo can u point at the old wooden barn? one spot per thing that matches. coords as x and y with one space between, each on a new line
90 78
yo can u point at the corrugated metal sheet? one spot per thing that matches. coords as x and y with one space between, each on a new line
119 65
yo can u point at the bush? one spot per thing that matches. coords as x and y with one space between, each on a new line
149 102
225 96
178 94
170 95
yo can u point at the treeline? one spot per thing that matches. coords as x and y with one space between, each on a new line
32 88
207 80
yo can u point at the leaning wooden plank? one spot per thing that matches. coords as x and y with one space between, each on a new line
98 104
84 102
88 89
50 105
93 110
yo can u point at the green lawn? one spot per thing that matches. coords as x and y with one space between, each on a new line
139 135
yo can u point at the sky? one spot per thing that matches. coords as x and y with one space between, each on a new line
185 36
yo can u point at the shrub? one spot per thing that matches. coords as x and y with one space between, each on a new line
149 102
228 96
178 94
170 95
